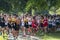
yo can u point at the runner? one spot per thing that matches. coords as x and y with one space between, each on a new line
22 25
15 26
9 23
29 24
26 24
2 22
41 23
50 24
45 24
34 26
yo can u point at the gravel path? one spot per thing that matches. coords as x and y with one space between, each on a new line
20 37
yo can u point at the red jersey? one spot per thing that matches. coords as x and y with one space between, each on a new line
34 24
45 22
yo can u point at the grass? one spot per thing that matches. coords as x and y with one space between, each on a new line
50 36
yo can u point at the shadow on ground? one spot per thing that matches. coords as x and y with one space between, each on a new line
50 36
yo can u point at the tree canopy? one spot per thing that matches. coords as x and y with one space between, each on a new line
28 5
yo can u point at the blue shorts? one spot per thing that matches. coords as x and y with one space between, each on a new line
50 26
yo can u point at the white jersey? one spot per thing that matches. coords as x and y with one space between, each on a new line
22 22
29 21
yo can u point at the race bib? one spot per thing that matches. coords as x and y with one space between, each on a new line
22 23
29 23
6 23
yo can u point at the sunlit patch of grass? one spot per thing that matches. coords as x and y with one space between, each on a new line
46 37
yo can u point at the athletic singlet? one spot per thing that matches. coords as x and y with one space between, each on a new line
22 22
34 25
29 21
45 22
9 19
25 20
13 20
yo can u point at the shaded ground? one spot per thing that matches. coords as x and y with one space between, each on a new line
50 36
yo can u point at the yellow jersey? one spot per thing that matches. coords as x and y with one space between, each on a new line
13 19
9 19
25 20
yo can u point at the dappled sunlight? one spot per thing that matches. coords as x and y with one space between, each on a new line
29 19
57 12
51 12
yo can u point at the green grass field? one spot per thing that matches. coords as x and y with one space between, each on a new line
50 36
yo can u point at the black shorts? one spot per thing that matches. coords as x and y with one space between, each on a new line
16 27
41 24
30 25
2 24
50 26
9 25
26 25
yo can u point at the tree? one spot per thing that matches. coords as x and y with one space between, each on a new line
16 6
36 4
13 5
5 6
53 5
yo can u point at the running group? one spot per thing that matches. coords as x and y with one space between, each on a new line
28 24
